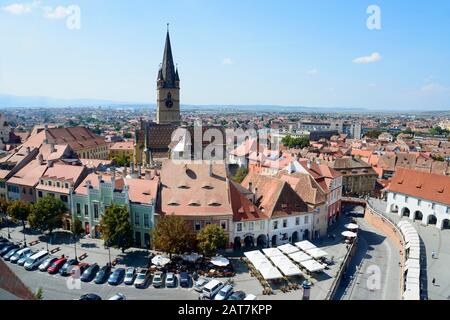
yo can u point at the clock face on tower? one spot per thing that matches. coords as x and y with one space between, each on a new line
169 102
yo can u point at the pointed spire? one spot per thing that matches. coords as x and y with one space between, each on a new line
168 68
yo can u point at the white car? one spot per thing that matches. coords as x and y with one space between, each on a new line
19 254
200 283
171 280
224 293
118 296
130 275
142 278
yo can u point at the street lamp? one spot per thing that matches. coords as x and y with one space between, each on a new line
75 245
306 289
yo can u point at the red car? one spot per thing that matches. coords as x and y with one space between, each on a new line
56 265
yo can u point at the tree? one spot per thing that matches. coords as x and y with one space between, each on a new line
39 295
290 142
20 210
47 214
116 227
127 135
374 134
4 208
210 239
77 227
240 175
121 160
173 235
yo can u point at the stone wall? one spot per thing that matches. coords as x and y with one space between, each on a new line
11 283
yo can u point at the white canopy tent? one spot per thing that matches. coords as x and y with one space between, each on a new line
305 245
312 265
288 248
286 266
300 256
272 252
317 253
268 271
412 264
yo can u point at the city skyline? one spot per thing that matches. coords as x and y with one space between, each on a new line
295 60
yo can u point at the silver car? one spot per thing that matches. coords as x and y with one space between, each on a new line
142 278
22 260
200 283
130 275
19 254
118 296
171 280
47 263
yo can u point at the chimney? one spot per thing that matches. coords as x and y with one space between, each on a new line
40 159
113 171
49 163
148 175
28 150
88 184
99 179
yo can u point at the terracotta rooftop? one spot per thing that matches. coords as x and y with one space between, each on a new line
422 185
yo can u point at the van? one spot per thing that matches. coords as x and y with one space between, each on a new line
19 254
211 289
35 260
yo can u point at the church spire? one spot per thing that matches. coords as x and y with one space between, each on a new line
167 70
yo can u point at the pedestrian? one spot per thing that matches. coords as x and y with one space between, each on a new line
433 281
433 255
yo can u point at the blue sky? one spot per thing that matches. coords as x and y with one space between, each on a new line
286 52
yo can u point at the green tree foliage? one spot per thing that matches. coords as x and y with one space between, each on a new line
19 210
127 135
438 131
437 158
47 214
374 134
240 175
4 207
77 227
116 227
210 239
39 295
290 142
121 160
173 235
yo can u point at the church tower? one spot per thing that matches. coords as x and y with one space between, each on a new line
168 89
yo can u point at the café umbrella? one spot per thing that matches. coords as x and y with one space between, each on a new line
349 234
220 261
351 226
160 261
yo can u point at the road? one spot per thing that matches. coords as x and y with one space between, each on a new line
374 272
55 287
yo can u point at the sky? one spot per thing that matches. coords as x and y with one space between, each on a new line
287 52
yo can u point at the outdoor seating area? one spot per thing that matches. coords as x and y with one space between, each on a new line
287 263
411 270
215 267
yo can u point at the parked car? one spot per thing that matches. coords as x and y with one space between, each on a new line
224 293
130 275
237 295
78 270
158 279
90 273
47 263
118 296
4 244
55 266
250 297
67 267
211 289
171 280
35 260
200 283
19 254
90 296
102 275
9 251
116 277
142 278
25 257
184 279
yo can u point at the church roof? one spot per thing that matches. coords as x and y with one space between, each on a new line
167 71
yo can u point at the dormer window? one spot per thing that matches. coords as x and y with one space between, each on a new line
173 203
49 183
194 203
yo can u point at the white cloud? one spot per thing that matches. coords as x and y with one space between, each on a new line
374 57
312 72
59 12
227 61
434 88
18 8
